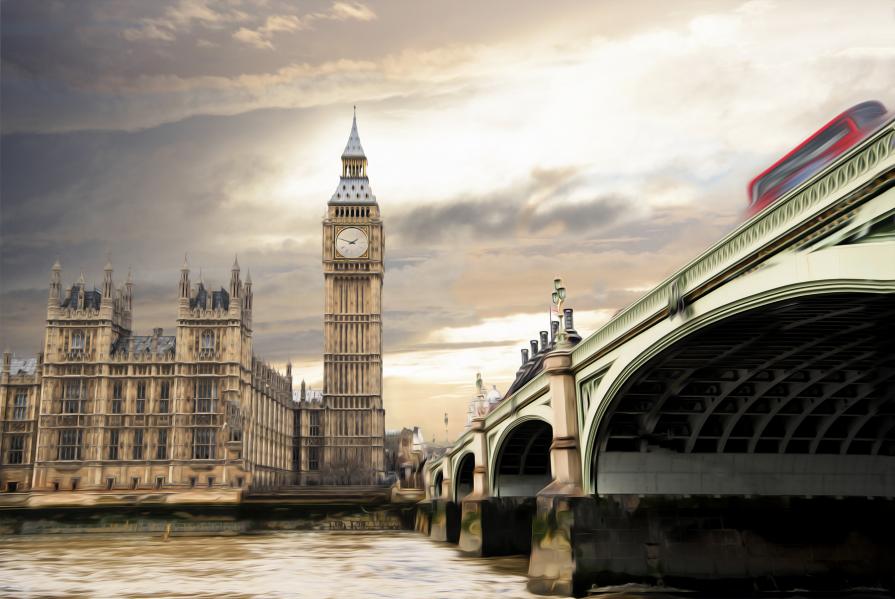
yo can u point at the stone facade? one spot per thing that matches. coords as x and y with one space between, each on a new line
108 410
20 386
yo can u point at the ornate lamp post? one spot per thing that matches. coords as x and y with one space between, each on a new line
559 296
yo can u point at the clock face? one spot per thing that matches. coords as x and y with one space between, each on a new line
351 242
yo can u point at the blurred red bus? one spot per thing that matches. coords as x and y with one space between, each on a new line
814 153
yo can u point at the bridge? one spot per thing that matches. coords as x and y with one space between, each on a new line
737 422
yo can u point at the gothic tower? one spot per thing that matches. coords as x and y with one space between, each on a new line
353 247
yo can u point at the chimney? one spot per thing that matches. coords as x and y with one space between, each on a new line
554 327
534 347
571 333
544 341
524 356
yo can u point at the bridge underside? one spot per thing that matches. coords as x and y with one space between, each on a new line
523 464
793 398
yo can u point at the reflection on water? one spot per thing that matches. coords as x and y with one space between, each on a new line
288 564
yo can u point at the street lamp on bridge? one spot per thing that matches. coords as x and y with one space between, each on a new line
559 296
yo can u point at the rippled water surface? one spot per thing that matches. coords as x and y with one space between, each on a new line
288 564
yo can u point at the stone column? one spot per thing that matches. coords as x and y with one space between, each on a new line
565 452
473 505
480 449
552 566
444 524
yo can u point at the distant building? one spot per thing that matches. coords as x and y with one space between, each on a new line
406 451
483 401
20 385
104 409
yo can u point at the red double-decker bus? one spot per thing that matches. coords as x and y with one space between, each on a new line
814 153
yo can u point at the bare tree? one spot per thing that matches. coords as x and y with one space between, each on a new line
349 470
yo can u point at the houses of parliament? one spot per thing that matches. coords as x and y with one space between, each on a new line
104 409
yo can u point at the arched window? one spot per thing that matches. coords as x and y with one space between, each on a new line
77 341
207 340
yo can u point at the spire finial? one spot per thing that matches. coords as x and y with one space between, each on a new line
186 264
81 278
108 261
249 277
56 265
353 148
235 262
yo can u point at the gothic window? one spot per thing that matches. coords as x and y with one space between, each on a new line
164 395
70 444
138 444
16 452
314 424
207 341
203 443
313 458
141 397
117 395
206 393
114 440
71 397
161 448
20 405
77 341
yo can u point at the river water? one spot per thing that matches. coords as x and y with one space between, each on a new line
297 564
312 564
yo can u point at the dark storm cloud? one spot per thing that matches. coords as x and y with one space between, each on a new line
519 210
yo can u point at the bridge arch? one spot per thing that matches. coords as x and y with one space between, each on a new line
438 483
463 476
521 466
799 379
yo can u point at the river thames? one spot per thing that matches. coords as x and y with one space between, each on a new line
303 564
312 564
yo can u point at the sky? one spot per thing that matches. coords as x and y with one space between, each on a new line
509 142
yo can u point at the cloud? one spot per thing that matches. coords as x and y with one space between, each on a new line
262 36
180 18
357 11
539 205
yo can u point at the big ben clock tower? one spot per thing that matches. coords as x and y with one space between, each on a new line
353 246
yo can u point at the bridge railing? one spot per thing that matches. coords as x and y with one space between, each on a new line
858 166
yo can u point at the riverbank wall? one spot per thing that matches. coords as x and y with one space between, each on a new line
199 520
